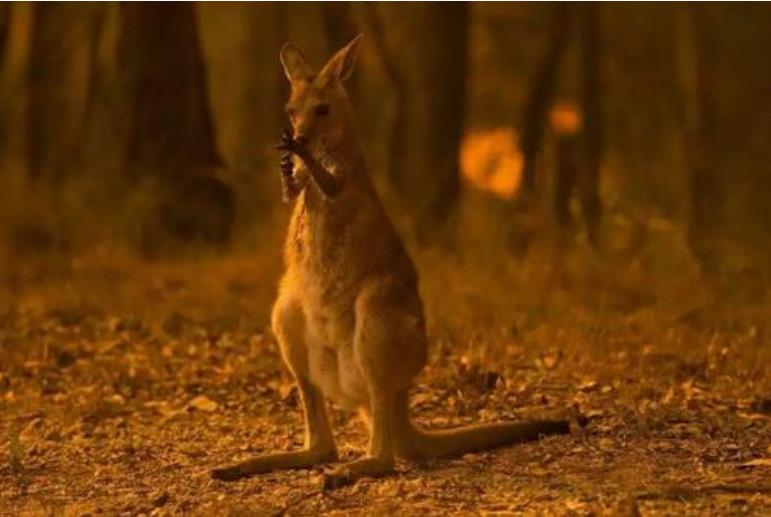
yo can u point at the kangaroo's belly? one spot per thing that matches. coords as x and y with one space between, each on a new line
331 362
332 254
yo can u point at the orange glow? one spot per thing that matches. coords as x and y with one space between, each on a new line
491 161
565 118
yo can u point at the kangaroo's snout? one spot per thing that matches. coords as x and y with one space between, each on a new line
303 129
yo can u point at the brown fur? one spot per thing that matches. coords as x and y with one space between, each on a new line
348 318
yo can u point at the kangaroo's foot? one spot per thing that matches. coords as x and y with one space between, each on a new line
270 462
349 472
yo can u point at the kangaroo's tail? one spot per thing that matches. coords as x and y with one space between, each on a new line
416 443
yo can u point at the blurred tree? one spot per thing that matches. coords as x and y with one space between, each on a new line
171 126
395 140
339 29
566 172
339 26
578 150
171 134
5 25
443 57
726 121
54 41
432 57
265 90
244 66
590 46
96 20
697 48
541 96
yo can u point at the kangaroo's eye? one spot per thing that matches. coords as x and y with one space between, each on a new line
321 110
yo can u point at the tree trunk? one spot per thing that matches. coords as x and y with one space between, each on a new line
5 25
591 107
338 25
697 76
96 20
436 88
541 96
565 175
51 123
397 131
171 128
265 90
171 135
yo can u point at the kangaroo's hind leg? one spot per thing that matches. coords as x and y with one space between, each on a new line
380 451
388 353
288 325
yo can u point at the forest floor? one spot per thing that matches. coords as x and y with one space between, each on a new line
123 408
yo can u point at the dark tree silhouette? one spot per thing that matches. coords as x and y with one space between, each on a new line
396 138
591 106
542 93
339 27
5 25
95 20
566 174
339 30
265 93
700 108
171 125
171 134
53 41
437 95
424 57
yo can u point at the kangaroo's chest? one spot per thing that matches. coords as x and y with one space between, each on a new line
323 265
315 228
322 243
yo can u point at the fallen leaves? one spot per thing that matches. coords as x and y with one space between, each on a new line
203 403
15 454
147 407
759 462
549 360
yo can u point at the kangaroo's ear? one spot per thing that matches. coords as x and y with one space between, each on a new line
294 63
342 64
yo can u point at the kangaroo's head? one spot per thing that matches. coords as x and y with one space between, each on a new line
318 106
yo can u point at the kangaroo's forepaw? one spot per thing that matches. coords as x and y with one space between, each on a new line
354 470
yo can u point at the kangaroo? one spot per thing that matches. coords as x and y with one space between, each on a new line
348 317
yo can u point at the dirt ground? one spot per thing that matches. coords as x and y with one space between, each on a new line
123 408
